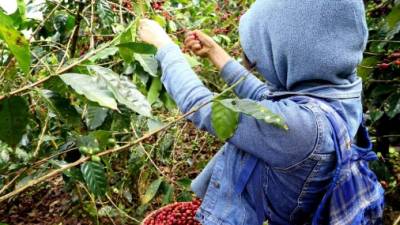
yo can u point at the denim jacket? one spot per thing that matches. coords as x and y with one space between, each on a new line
299 163
308 47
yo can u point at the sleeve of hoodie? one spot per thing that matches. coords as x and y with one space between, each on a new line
277 147
251 87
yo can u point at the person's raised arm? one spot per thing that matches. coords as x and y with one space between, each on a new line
274 145
231 71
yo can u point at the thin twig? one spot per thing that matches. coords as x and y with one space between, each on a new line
91 45
67 49
40 162
397 221
177 139
389 41
41 137
121 211
121 18
75 34
12 181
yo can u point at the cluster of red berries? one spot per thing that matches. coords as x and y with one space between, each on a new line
157 5
394 59
181 213
127 4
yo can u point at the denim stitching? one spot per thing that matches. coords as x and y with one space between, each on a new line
320 131
305 185
318 142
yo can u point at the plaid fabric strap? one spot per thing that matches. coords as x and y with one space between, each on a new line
355 195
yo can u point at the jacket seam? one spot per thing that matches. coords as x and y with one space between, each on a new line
305 184
318 139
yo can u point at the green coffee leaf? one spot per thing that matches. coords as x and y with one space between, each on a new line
367 66
394 105
168 194
139 47
123 90
14 117
393 18
104 54
154 91
151 191
95 116
95 177
61 107
127 37
87 86
15 41
148 62
256 110
224 120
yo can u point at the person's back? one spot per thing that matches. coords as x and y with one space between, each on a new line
302 48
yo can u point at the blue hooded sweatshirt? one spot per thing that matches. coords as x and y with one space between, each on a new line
308 47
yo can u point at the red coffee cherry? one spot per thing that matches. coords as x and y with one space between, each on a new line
181 213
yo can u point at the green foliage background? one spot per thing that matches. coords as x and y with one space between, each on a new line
80 83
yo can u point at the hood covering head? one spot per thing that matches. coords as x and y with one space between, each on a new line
297 45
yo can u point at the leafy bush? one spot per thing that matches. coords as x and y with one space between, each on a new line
82 97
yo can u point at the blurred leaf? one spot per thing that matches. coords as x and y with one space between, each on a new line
95 116
151 191
126 53
224 120
103 137
62 108
185 183
123 90
139 47
104 54
168 194
393 18
165 146
14 117
148 62
105 13
15 41
394 105
375 115
193 62
95 177
169 103
367 67
154 91
107 210
153 124
256 110
74 174
56 84
87 86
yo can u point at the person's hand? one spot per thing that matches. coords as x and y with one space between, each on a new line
151 32
200 44
204 46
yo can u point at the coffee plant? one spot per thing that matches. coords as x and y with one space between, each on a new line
83 110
